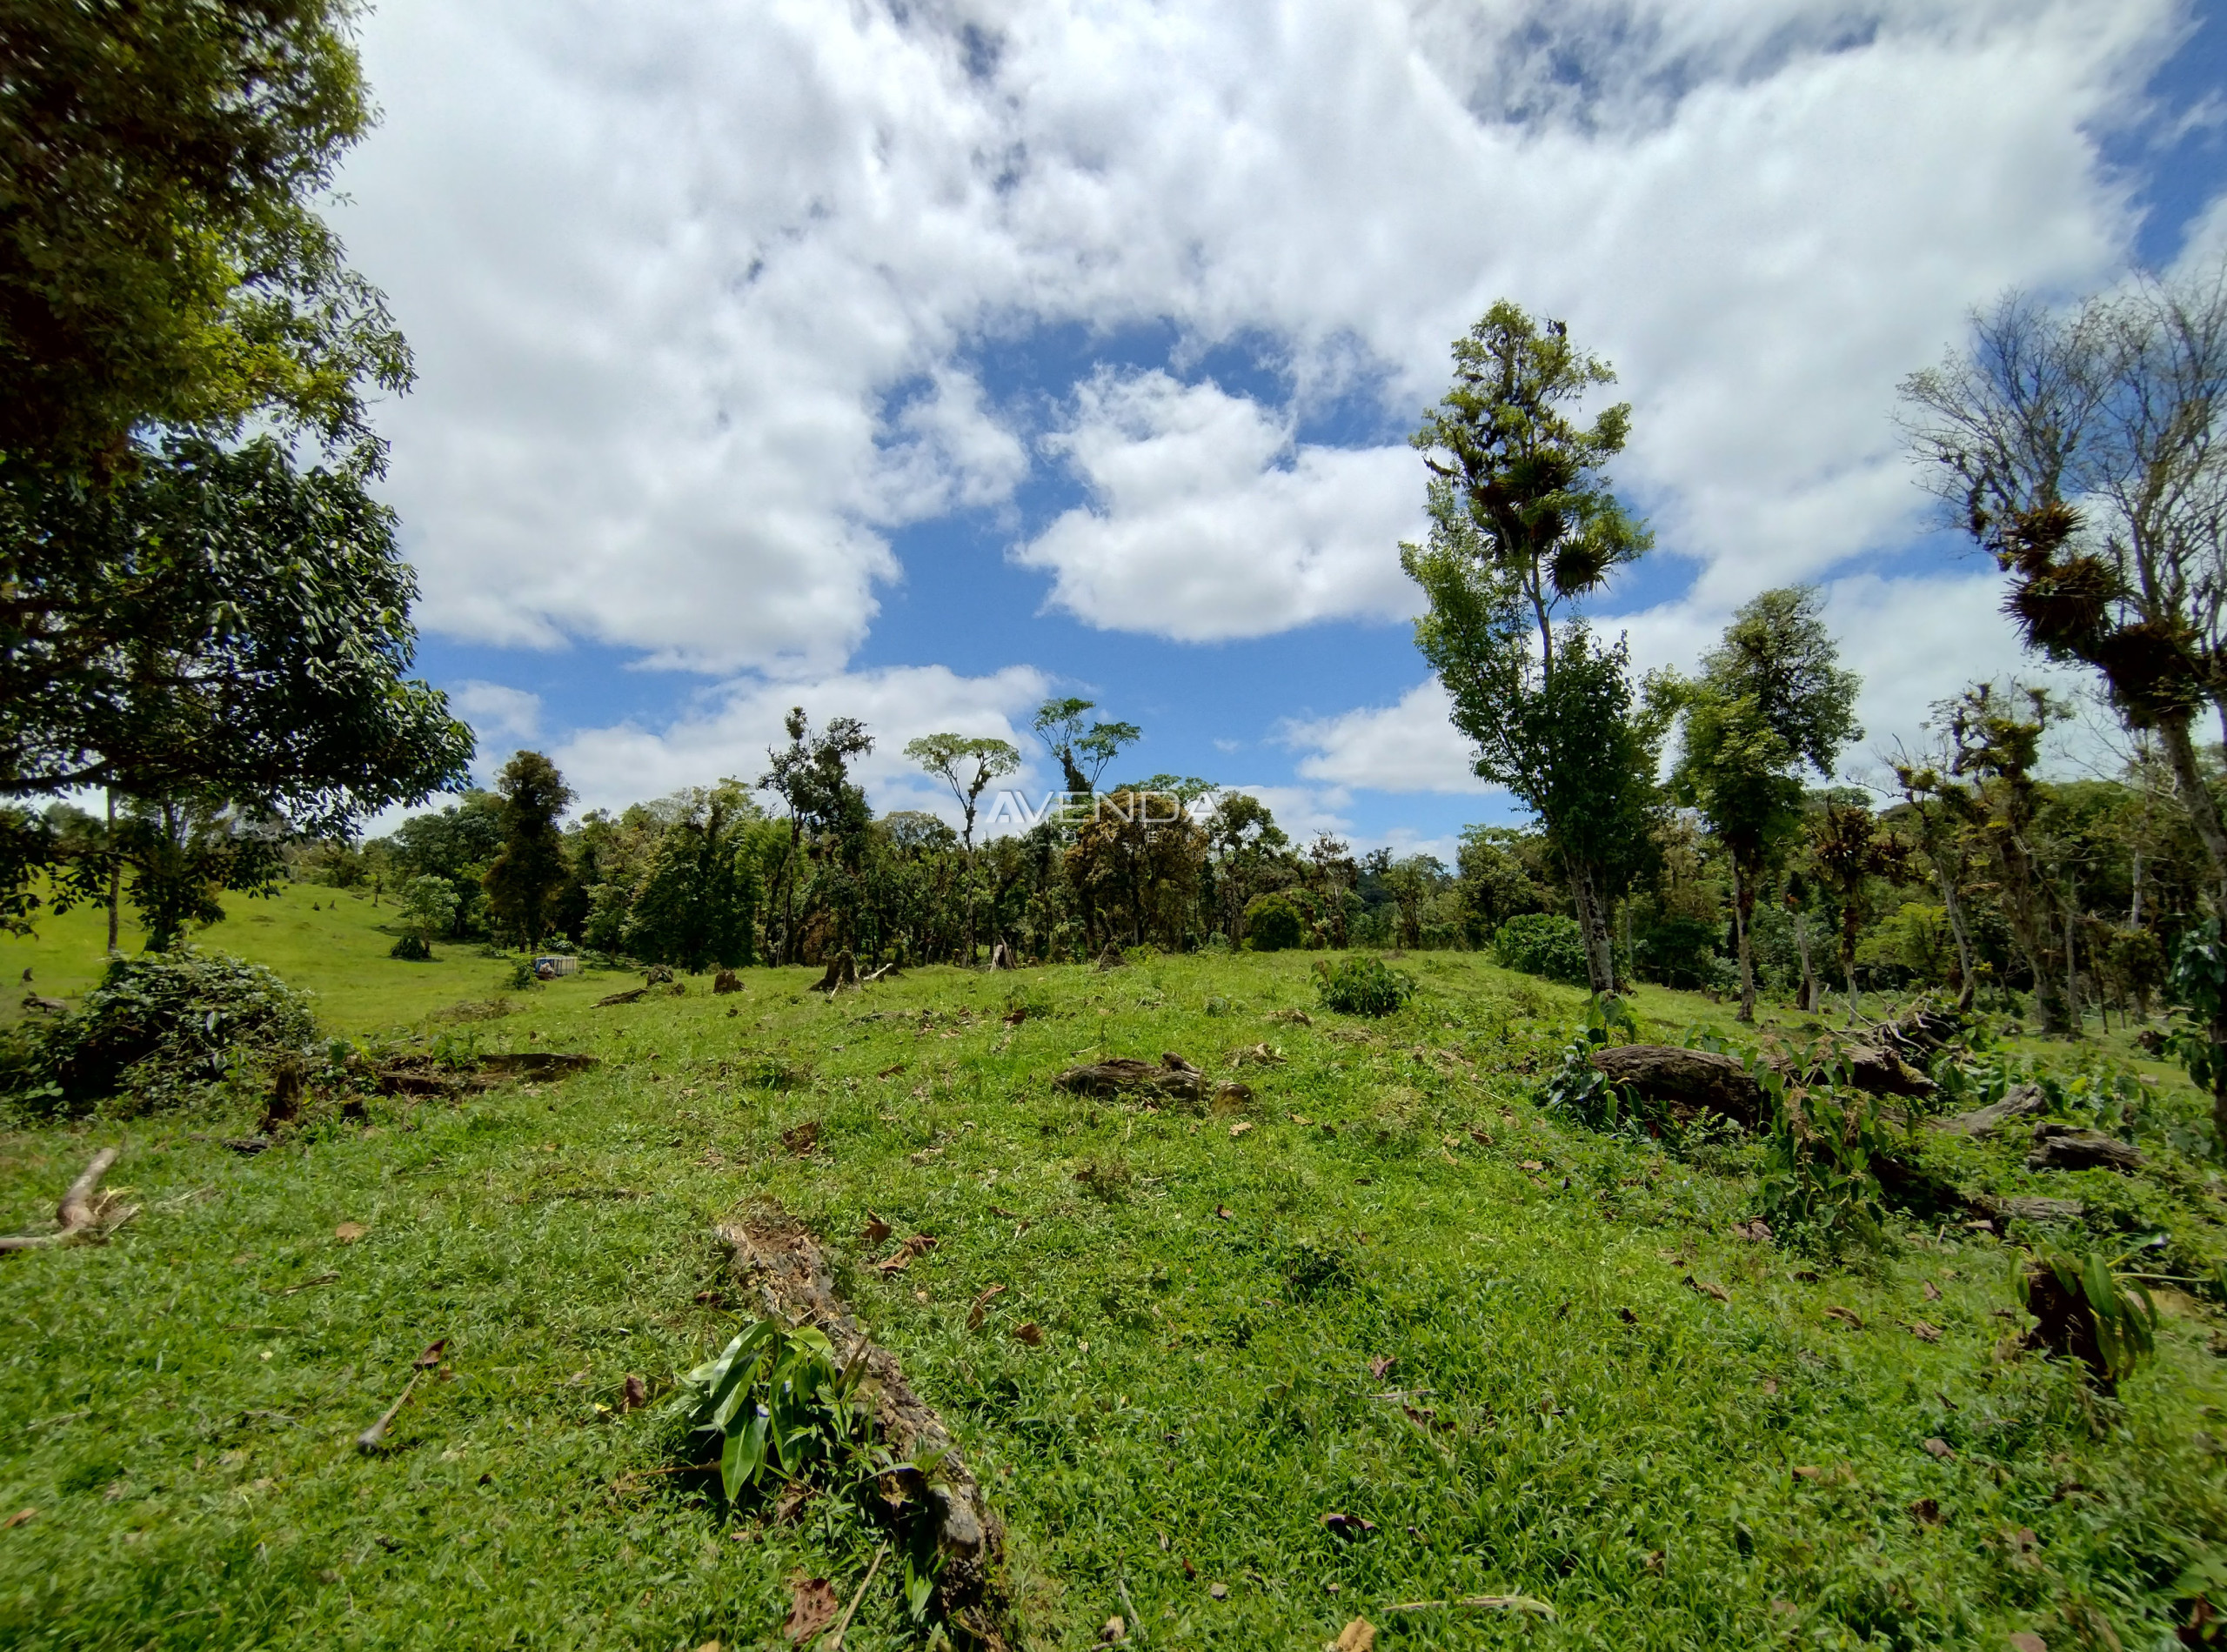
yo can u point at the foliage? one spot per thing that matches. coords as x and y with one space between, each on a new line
1081 751
411 948
529 871
1273 925
1361 984
1542 944
2113 1308
1580 1091
1820 1185
160 263
429 906
776 1404
217 629
1523 524
163 1028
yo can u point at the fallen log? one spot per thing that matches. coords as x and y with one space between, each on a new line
1877 1070
1689 1082
2025 1207
2020 1101
627 997
787 1271
1124 1075
2060 1146
536 1064
83 1213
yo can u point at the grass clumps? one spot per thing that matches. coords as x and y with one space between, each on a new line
1363 985
163 1030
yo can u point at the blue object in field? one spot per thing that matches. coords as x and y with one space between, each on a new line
551 965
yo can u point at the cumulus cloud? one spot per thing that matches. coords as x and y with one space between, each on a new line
1411 745
1207 521
671 273
730 732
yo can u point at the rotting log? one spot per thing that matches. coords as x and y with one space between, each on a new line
1689 1082
83 1213
2060 1146
784 1268
627 997
1124 1075
1879 1071
2020 1101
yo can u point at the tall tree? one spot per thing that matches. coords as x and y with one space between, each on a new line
1771 701
162 262
216 630
1848 849
1082 750
695 906
2087 450
812 777
530 870
1524 527
966 764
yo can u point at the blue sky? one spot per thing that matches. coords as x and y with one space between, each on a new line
912 364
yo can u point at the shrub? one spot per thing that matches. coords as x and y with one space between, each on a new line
412 949
1542 943
1363 985
1273 925
162 1028
774 1402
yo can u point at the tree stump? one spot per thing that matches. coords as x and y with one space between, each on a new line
1112 958
1689 1082
842 971
727 982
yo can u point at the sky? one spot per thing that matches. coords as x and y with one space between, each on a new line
914 362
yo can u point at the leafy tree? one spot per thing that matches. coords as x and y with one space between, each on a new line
160 260
1413 880
529 872
1500 872
1848 849
1243 842
429 906
697 905
812 776
1273 925
217 629
456 844
2085 450
1524 526
1081 751
966 764
1771 701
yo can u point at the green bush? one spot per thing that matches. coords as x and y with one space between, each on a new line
412 949
1542 943
1273 925
162 1028
1363 985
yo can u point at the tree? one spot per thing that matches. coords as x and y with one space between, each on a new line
2084 450
456 844
1771 701
216 630
1081 752
160 260
1848 849
429 906
812 776
1524 526
966 764
696 905
530 870
1242 840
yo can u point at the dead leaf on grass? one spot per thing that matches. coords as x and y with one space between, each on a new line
1806 1471
1847 1316
1758 1231
18 1518
1533 1165
896 1263
801 1139
2027 1641
1381 1364
1932 1291
1482 1137
1348 1526
1238 1129
1715 1292
1627 1316
1222 1213
1113 1632
349 1231
431 1357
1926 1512
1029 1333
875 1231
891 1072
1940 1448
813 1606
1360 1635
1925 1331
634 1396
1020 1015
979 1311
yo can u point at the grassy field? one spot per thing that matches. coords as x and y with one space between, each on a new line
1565 1414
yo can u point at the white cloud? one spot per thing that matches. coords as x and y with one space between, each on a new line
1207 521
1409 747
497 712
728 734
667 266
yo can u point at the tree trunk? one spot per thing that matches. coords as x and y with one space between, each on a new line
1593 923
1967 983
1744 921
115 874
2202 807
1809 970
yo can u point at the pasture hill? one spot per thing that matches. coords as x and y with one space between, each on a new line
1382 1331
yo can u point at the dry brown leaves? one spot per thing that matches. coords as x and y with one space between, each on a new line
980 1309
349 1231
813 1606
1925 1331
1847 1316
1238 1129
802 1139
1030 1334
875 1231
1716 1293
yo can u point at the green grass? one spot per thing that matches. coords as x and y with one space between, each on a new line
1564 1417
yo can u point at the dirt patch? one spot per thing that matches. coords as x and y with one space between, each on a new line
783 1267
